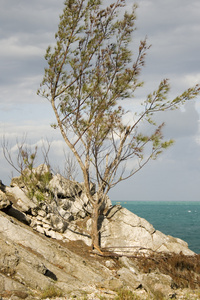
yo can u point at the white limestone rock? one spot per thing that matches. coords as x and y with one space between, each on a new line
4 202
124 232
63 187
22 201
54 235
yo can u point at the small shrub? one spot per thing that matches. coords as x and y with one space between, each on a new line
51 292
39 196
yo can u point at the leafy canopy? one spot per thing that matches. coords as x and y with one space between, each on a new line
91 69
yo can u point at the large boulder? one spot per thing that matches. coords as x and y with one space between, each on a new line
64 188
124 232
123 229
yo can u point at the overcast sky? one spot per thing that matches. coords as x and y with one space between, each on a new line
173 29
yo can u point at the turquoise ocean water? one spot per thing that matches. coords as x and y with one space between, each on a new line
178 219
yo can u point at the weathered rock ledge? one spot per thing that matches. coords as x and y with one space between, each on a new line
46 244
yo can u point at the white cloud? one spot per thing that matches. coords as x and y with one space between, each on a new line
180 123
12 47
192 79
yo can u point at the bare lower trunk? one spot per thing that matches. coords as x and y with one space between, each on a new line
94 230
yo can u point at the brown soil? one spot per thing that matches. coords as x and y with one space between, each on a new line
184 270
81 249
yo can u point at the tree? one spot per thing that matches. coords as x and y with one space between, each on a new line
90 71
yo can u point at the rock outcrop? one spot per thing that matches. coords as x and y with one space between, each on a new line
35 239
64 214
123 230
31 262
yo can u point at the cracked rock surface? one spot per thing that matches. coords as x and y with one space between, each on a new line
41 245
68 209
126 231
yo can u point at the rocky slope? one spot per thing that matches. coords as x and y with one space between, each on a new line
44 248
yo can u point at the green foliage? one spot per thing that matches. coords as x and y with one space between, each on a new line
36 185
35 182
43 178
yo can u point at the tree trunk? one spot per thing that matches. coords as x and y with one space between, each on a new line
94 230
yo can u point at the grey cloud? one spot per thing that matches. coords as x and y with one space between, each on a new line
172 28
27 27
180 123
15 72
167 16
27 16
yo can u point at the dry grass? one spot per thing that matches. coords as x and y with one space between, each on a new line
184 270
125 294
51 292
